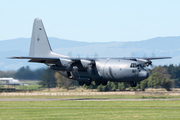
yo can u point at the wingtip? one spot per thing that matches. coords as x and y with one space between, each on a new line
10 57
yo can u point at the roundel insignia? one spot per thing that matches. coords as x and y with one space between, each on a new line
38 39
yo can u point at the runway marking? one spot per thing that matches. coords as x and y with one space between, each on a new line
85 99
89 108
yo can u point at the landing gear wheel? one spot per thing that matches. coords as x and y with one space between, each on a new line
97 83
88 83
133 84
104 83
81 83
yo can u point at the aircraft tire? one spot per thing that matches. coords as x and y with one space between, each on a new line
133 84
97 83
88 83
81 83
104 83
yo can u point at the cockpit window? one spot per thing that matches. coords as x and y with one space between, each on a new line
133 65
139 66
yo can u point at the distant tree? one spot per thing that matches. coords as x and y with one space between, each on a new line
48 79
102 88
158 78
62 81
144 84
176 83
27 74
37 74
166 83
112 86
24 73
7 74
121 86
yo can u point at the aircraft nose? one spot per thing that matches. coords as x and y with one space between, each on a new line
147 75
144 74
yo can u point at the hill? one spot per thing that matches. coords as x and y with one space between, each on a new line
160 46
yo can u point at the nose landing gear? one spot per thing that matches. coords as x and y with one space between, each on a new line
133 84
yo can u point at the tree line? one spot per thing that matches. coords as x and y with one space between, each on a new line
167 76
160 77
24 73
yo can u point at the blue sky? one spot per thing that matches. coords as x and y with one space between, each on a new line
91 20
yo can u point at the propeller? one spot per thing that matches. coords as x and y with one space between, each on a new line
150 64
96 56
87 57
78 56
144 55
70 54
152 55
145 62
132 54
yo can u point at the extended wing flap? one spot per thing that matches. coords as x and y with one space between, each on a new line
46 60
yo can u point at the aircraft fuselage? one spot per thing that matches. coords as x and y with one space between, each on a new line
116 70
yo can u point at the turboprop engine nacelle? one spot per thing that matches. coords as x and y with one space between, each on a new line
144 62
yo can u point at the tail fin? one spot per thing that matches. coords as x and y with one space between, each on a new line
40 46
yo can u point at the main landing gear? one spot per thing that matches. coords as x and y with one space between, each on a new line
133 84
88 83
103 83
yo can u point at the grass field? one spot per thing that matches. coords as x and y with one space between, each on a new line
100 96
90 110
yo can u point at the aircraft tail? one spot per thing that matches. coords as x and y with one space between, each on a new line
40 46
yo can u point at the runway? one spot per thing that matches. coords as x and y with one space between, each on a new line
85 99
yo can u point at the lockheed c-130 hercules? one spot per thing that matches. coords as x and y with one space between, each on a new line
86 70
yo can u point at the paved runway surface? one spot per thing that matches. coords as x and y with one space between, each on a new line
50 99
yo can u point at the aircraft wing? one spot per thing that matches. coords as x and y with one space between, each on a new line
61 61
146 58
83 62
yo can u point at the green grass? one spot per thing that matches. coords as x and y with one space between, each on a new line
100 96
29 87
90 110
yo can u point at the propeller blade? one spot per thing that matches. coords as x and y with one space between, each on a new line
87 57
96 56
152 66
70 54
153 55
78 56
144 55
132 54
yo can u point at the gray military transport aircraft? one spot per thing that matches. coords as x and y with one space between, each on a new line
85 70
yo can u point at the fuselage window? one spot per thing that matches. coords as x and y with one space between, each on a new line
133 71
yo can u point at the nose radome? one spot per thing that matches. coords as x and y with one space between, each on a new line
147 74
143 74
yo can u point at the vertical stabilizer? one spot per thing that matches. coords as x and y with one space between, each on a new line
40 46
